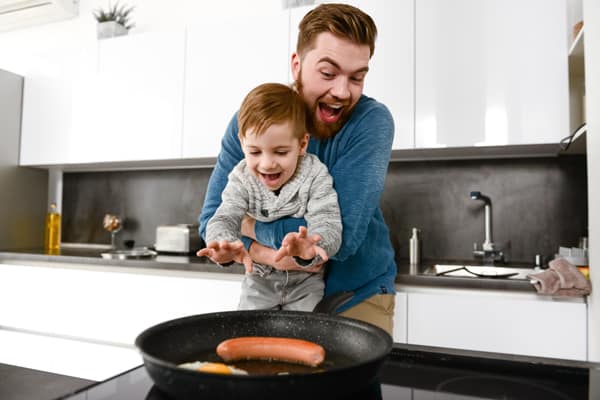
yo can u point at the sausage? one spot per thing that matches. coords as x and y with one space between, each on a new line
296 351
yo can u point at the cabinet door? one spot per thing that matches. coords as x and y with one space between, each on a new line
132 109
226 56
111 304
490 72
49 92
391 71
400 318
497 322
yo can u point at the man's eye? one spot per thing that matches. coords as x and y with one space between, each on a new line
254 153
327 75
281 153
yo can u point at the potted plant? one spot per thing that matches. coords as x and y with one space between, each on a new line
114 21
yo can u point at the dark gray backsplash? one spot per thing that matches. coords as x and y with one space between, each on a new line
537 203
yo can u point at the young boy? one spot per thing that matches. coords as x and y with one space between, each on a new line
277 178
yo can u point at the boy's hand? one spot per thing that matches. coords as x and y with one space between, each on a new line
223 252
301 245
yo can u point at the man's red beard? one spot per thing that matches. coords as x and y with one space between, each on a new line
316 127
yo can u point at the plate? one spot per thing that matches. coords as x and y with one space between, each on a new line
129 254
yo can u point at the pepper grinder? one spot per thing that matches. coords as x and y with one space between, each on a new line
415 250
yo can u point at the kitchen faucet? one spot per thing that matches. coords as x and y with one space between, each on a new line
489 250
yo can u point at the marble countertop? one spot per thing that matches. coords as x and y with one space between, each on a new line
407 275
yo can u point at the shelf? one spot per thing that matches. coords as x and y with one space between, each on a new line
578 143
576 55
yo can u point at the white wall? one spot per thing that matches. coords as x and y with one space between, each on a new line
591 9
18 46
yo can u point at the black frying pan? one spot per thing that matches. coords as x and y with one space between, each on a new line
355 351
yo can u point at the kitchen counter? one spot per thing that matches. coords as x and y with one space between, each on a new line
76 253
82 254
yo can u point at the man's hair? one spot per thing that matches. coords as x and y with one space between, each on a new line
341 20
272 103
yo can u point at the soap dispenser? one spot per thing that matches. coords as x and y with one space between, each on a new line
52 231
415 248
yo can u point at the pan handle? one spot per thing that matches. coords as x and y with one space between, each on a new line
332 302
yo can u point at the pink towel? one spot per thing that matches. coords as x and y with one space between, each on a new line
561 279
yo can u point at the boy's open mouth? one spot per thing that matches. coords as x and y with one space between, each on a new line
271 178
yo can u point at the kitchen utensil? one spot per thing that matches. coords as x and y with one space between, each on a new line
355 352
181 238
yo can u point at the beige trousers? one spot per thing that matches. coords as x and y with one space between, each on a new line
377 310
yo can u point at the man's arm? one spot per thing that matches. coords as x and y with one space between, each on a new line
359 174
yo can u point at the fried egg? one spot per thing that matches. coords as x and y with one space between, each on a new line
213 368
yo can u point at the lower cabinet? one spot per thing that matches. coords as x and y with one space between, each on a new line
82 320
500 322
108 304
400 318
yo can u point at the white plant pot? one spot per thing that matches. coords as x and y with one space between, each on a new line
110 29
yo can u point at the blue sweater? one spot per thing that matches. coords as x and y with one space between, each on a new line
357 158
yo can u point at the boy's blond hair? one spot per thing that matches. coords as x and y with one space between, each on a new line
341 20
272 103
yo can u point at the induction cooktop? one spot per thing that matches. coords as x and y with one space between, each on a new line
410 374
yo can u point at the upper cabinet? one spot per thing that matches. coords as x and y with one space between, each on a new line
391 71
454 74
226 56
120 99
133 107
49 88
490 72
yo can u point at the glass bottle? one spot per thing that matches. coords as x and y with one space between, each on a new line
52 234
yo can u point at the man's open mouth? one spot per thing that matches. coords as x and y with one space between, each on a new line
330 113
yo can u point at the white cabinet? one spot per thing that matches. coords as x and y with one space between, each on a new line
400 318
501 322
132 108
51 88
490 72
226 56
118 99
107 304
391 71
66 315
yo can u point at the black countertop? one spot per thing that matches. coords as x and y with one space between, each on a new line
83 254
427 372
17 383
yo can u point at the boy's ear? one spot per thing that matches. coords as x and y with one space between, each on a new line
303 144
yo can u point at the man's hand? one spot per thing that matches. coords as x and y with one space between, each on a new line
223 252
301 245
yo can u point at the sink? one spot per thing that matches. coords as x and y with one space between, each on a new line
479 271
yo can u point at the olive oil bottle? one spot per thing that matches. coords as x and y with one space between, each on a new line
52 234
